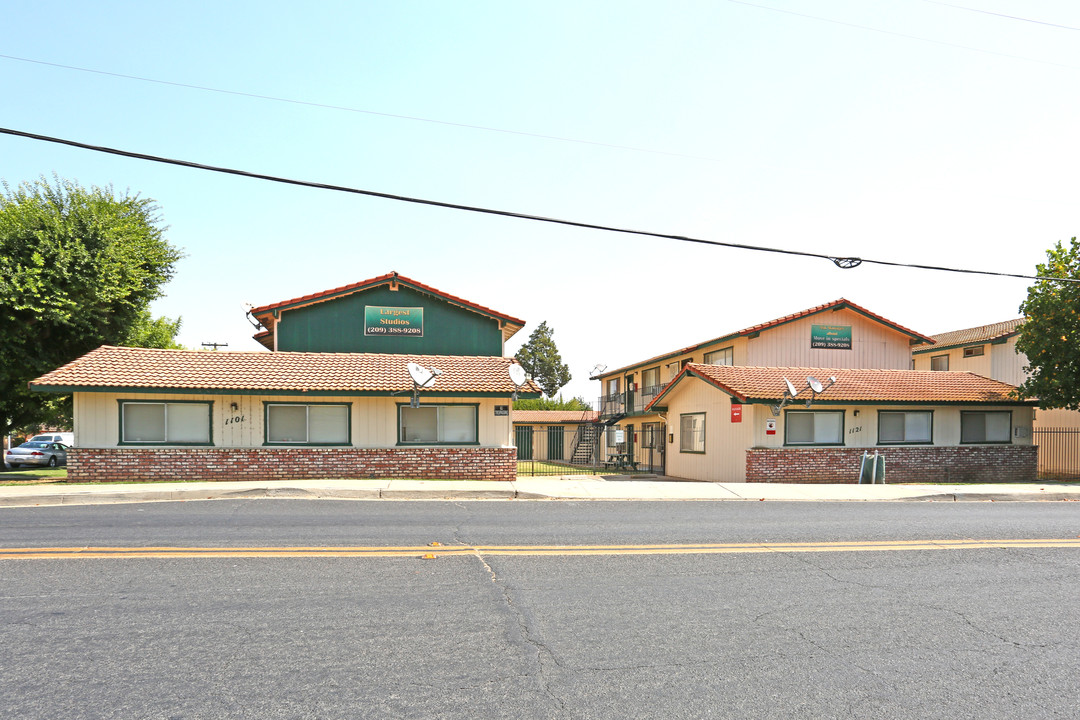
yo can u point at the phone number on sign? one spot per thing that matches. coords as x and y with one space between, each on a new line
393 331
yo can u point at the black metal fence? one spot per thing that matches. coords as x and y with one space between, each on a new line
1059 453
589 449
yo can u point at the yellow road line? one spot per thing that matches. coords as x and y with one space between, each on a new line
523 550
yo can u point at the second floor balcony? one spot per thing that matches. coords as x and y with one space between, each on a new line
631 402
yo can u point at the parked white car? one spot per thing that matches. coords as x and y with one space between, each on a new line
48 454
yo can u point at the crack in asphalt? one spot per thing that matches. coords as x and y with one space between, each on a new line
970 623
544 654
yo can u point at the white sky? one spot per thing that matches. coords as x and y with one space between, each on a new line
901 130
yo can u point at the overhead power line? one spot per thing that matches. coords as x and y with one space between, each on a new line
839 261
344 108
1001 15
900 34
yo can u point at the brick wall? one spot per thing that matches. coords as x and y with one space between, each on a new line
969 463
451 463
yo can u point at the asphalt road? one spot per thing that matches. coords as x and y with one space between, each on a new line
898 633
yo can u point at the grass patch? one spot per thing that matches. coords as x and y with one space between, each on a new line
540 467
33 477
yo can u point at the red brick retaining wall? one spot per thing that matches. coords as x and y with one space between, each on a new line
201 463
978 463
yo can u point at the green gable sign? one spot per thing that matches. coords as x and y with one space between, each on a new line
382 320
831 337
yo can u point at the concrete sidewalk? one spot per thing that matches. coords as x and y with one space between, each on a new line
570 487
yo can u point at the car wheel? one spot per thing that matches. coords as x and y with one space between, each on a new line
52 461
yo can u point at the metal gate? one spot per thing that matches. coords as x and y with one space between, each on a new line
523 438
1059 453
590 449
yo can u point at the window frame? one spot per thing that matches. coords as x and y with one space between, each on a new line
682 433
938 357
974 351
165 403
787 425
966 413
905 441
651 437
729 351
307 424
440 443
646 388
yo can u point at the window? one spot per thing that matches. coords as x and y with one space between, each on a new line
973 351
723 356
939 362
173 423
299 424
650 381
438 424
613 442
692 433
814 427
986 427
898 427
686 362
650 436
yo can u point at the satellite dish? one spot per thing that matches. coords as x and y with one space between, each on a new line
517 374
421 375
790 388
814 384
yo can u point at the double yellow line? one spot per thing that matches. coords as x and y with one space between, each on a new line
437 550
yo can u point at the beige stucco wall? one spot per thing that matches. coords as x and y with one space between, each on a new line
873 345
998 362
724 459
1001 362
726 442
374 419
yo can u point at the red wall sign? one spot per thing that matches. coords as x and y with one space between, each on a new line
736 413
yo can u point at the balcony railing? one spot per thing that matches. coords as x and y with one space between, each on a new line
631 402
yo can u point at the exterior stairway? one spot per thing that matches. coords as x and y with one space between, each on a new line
585 445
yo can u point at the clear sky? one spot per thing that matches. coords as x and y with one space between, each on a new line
911 131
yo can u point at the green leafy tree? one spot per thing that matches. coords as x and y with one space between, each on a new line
542 361
574 403
1050 335
78 269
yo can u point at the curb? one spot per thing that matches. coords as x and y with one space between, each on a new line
430 490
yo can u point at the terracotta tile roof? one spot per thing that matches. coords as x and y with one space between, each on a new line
852 386
122 367
263 313
834 305
556 416
970 336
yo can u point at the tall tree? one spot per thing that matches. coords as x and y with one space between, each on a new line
78 269
542 361
1050 335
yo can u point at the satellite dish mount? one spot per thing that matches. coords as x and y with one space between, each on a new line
789 394
518 376
422 378
816 388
